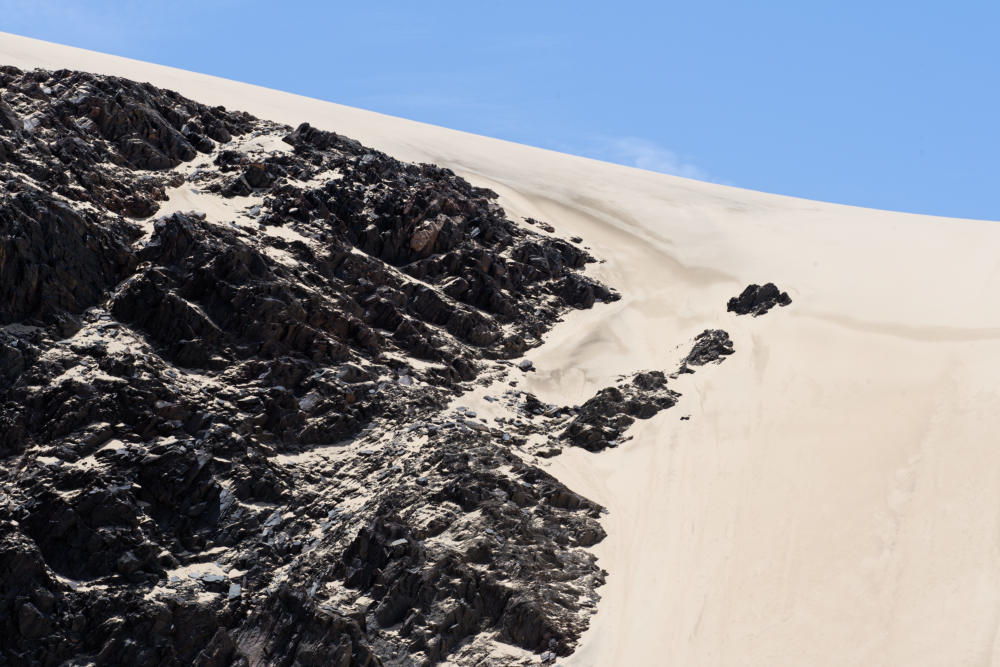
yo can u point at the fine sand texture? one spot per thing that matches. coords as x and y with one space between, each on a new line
834 498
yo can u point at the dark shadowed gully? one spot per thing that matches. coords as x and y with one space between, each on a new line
227 442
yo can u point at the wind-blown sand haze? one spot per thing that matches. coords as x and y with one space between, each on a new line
834 498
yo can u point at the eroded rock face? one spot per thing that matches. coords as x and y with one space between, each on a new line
223 441
758 299
710 346
603 420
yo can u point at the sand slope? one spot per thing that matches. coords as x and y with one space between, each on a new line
835 497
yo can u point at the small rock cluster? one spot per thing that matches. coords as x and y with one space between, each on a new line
758 299
710 346
602 420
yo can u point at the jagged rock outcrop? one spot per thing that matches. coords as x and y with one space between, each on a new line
223 441
104 141
758 299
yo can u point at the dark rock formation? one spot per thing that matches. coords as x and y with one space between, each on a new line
55 261
228 441
711 345
224 441
602 421
103 141
758 299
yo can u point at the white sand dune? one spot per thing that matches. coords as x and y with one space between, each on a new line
835 497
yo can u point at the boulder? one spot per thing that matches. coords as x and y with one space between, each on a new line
758 299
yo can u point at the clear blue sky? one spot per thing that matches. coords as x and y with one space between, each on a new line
881 103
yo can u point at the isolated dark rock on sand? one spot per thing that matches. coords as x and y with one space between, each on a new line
711 345
758 299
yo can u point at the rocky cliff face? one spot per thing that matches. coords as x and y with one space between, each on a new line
758 299
224 440
226 433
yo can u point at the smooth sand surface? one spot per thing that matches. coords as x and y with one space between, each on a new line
835 497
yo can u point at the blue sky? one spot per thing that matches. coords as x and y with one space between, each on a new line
885 104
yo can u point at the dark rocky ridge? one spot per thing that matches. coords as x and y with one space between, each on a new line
226 441
603 420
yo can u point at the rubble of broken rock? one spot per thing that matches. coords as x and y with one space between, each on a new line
758 299
224 441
